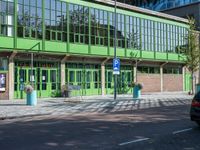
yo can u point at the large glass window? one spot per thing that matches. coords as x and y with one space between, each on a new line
120 31
29 19
55 20
99 27
139 33
133 34
79 24
172 70
7 17
148 70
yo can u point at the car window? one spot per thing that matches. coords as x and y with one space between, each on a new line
197 96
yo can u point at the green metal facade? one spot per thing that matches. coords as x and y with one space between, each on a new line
82 28
35 28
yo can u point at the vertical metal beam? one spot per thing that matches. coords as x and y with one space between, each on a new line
115 45
15 23
68 20
89 46
125 36
43 25
32 84
108 49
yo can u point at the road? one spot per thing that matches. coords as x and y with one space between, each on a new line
159 128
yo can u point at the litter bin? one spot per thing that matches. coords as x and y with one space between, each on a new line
136 92
31 98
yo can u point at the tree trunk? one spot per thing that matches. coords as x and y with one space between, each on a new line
192 92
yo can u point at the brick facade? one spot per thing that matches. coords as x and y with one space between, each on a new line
172 82
151 82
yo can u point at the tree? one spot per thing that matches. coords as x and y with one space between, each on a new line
191 50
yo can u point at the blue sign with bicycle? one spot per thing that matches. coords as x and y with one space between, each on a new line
116 66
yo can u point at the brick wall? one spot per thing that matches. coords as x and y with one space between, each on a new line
4 95
151 82
172 82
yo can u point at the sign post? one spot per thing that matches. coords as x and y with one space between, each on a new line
116 66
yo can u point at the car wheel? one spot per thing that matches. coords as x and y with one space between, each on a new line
198 122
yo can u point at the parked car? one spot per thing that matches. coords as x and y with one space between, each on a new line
195 109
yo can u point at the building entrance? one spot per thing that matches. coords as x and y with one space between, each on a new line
44 79
86 76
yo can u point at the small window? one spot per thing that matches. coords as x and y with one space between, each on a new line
81 39
72 38
53 35
76 38
47 35
64 37
20 31
59 36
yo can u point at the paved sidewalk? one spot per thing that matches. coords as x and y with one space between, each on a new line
90 104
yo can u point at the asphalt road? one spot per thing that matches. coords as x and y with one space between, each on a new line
162 128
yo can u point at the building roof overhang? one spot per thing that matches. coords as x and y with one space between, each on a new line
143 11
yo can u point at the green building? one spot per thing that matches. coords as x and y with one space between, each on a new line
72 42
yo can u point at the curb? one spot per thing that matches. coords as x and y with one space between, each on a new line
24 116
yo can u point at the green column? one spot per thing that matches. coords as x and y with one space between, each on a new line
68 20
154 40
125 35
15 23
108 50
43 25
89 45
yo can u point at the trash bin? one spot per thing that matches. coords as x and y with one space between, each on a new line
136 92
31 98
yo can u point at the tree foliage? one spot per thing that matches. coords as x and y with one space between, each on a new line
191 50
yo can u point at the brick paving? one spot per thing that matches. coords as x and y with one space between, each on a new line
90 104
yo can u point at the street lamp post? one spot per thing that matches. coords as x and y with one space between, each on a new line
115 45
32 75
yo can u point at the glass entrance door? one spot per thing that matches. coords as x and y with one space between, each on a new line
24 76
22 82
109 82
44 84
44 78
89 80
92 82
75 77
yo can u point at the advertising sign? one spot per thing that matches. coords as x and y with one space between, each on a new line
2 82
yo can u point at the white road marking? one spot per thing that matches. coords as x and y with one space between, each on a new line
51 123
134 141
180 131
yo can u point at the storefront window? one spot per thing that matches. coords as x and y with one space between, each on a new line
3 64
2 82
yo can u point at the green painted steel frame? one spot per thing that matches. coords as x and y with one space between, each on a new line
40 93
84 90
81 49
